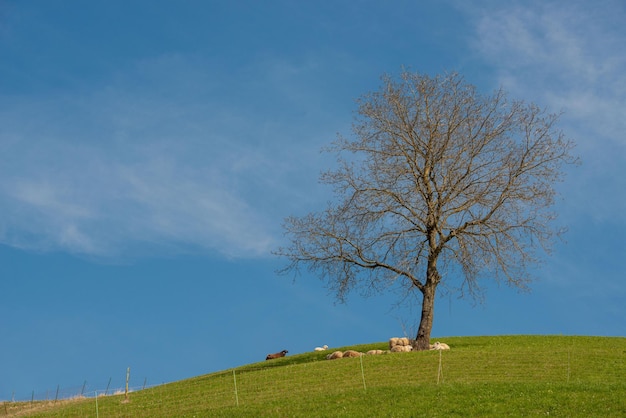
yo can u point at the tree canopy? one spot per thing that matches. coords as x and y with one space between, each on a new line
437 182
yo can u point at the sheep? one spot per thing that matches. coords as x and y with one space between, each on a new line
400 345
323 348
276 355
375 352
401 348
351 353
334 355
393 342
439 346
404 341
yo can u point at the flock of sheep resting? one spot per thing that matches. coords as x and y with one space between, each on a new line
396 345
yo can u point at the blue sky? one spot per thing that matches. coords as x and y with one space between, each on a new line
149 151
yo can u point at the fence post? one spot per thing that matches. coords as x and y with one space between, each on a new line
236 395
363 373
127 378
568 365
440 371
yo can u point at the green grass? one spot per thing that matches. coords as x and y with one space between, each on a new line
479 376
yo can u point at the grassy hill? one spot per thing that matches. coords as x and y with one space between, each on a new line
479 376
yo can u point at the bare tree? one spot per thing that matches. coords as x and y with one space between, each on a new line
436 178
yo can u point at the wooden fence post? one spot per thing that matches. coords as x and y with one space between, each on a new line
127 378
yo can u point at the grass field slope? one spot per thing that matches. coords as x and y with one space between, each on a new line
565 376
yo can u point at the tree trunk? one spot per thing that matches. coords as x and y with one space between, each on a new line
422 340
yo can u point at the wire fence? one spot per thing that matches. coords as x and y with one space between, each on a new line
87 389
262 384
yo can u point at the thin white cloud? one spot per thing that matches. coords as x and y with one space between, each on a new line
180 166
568 57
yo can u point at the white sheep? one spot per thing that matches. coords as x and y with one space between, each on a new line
351 353
400 345
323 348
334 355
439 346
401 348
393 342
375 352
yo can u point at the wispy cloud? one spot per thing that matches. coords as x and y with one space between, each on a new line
557 52
175 156
568 57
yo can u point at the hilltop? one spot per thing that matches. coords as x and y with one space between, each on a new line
486 376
